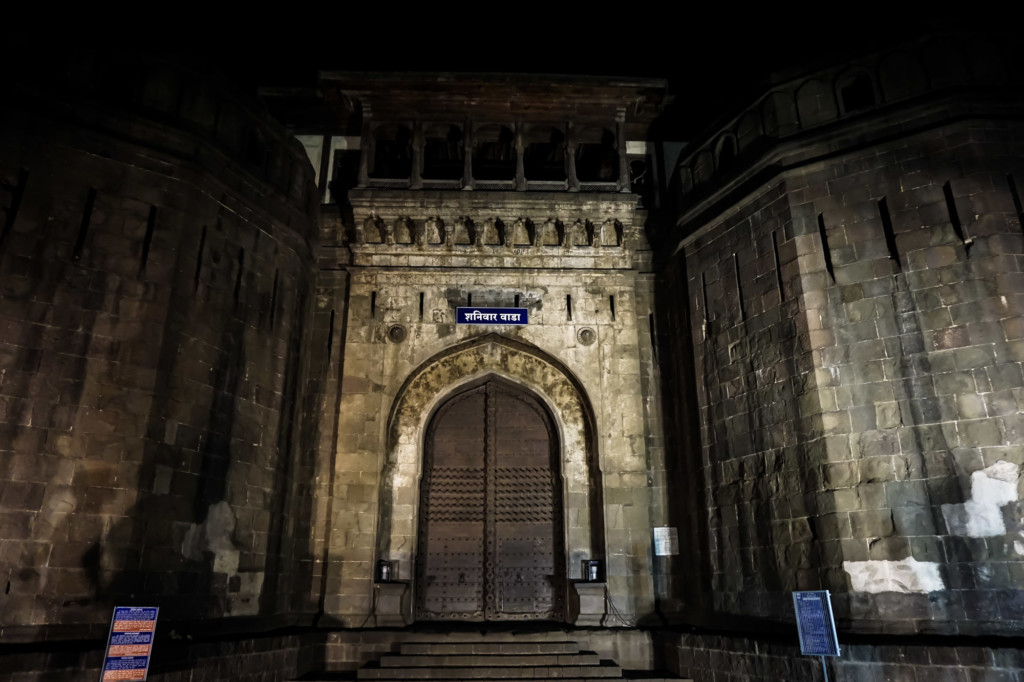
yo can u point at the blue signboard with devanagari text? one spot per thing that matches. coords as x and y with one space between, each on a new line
491 316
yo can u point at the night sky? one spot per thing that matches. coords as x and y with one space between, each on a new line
714 56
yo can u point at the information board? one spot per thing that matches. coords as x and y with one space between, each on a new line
666 541
815 623
492 316
130 643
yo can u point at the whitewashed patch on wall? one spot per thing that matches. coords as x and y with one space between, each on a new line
906 576
981 516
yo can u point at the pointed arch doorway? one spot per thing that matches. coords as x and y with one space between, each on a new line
490 539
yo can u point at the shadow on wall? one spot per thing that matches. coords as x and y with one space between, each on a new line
143 557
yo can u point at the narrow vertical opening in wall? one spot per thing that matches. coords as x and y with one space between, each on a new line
373 304
147 240
954 217
651 331
238 275
516 303
421 305
11 214
1016 200
739 287
611 305
778 266
568 306
890 235
330 337
469 300
273 298
83 229
199 259
825 249
704 302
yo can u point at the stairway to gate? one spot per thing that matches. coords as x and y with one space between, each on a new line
490 656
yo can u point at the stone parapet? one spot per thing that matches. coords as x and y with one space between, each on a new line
806 117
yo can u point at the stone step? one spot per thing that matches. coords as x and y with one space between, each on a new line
554 672
488 655
476 635
506 647
639 676
497 660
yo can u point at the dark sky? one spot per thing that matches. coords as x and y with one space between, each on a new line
706 44
712 54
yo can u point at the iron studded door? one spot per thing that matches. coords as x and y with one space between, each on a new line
490 511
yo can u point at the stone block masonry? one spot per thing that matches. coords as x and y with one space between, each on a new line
218 400
708 656
853 320
156 292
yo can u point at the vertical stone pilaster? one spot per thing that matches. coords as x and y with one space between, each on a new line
367 147
620 141
467 154
520 161
416 176
570 157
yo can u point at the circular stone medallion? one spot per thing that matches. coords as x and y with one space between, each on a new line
397 334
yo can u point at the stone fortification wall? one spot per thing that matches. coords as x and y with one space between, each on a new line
155 266
854 302
749 372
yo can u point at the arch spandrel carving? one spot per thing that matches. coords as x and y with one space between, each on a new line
443 375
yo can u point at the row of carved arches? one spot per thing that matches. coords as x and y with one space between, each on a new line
519 233
836 94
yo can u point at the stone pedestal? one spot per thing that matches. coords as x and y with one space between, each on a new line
587 605
390 609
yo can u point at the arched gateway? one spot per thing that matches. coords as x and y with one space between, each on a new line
491 492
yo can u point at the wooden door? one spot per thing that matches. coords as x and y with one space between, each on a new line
490 531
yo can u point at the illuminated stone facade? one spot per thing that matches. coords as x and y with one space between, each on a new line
222 364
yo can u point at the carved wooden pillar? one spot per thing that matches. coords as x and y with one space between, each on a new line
416 177
467 155
620 138
366 146
570 158
520 167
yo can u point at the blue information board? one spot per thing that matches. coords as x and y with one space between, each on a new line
129 644
815 623
492 316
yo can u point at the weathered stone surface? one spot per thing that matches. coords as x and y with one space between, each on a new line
150 300
910 395
203 407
